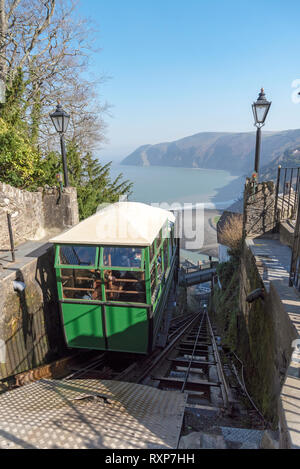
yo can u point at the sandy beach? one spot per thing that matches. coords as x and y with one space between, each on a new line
198 231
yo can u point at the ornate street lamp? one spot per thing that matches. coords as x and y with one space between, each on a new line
60 120
260 111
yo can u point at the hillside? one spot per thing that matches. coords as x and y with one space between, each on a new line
288 159
216 150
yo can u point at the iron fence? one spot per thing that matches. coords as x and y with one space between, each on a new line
287 194
287 207
295 261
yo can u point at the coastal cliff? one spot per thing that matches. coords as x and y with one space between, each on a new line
215 150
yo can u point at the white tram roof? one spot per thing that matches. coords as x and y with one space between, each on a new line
121 224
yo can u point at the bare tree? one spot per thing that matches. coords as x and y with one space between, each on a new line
50 44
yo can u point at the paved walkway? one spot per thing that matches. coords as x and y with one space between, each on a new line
273 260
25 253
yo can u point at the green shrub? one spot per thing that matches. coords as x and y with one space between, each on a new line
20 164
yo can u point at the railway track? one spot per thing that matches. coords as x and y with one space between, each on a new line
192 365
125 367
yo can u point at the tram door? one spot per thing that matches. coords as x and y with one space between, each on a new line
83 319
126 322
83 325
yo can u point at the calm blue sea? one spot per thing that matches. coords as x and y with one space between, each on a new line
217 189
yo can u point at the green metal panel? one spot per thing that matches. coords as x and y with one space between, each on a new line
161 300
127 329
56 262
83 325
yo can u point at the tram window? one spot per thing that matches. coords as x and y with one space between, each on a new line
171 244
152 251
158 239
153 278
170 248
77 255
122 257
81 284
159 266
165 253
125 286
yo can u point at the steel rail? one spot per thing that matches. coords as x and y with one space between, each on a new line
226 395
89 367
193 354
168 348
179 324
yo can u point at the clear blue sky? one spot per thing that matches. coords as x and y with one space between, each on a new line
181 67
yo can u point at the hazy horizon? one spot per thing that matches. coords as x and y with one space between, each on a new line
180 68
111 154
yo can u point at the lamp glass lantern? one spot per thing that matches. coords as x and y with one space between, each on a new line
261 109
60 120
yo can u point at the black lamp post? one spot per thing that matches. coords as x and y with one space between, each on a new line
61 121
260 111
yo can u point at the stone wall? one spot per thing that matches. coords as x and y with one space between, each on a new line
260 333
257 340
29 321
26 209
60 212
265 335
259 206
35 213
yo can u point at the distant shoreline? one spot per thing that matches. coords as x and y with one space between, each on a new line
230 171
209 189
208 206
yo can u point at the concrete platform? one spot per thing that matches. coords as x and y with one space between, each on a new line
273 259
79 414
25 253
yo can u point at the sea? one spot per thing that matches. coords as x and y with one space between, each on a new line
216 189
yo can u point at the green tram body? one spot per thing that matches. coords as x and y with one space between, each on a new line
97 313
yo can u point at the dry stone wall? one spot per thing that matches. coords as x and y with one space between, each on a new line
35 213
26 209
30 325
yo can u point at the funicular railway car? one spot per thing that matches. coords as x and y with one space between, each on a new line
114 273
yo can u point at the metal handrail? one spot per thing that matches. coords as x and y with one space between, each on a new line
287 194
